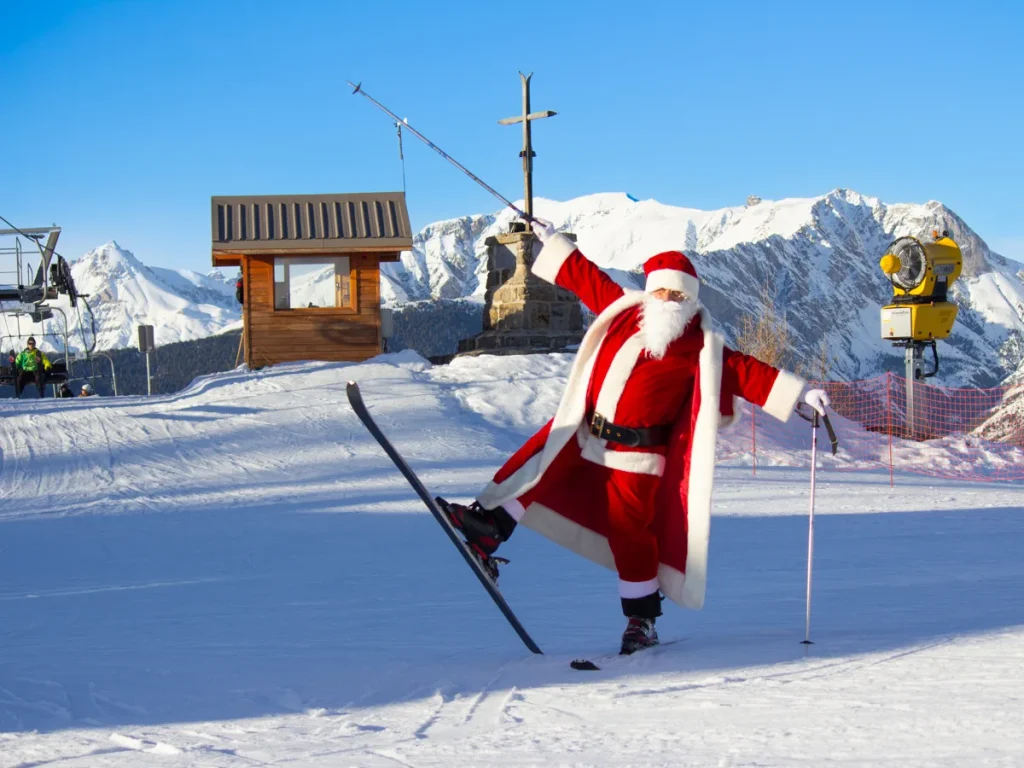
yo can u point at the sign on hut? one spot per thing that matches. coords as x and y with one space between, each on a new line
310 270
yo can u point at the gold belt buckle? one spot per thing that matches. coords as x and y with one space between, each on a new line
597 425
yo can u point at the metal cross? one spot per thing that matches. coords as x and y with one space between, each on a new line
527 154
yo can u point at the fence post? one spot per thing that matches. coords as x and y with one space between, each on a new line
753 438
888 411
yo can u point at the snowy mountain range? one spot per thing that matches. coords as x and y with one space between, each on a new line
123 293
819 254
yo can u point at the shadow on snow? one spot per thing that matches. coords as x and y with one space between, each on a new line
229 613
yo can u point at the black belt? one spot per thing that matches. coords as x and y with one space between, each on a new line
629 436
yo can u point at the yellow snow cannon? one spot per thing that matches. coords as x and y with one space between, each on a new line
921 274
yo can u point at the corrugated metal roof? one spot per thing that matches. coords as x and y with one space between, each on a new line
336 223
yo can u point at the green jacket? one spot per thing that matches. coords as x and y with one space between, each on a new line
29 360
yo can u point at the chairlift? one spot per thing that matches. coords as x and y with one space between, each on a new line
42 286
52 278
9 349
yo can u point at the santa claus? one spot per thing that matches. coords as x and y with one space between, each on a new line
623 472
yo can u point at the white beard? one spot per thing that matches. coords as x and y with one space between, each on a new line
662 322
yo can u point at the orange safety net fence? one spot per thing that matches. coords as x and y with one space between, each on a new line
967 434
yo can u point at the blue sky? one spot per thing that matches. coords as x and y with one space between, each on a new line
121 119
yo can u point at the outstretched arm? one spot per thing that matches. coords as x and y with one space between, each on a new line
776 391
560 262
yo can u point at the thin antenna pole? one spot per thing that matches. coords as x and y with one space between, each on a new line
357 88
401 153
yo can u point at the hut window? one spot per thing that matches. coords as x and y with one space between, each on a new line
312 283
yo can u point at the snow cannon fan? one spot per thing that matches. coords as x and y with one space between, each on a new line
921 274
919 313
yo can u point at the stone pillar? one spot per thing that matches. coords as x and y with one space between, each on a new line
523 313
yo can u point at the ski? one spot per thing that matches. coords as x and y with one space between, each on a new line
588 665
355 398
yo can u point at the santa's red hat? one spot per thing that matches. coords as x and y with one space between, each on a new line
671 270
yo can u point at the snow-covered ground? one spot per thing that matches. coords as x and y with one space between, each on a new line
235 575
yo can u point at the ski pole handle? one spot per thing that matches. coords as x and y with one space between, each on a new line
814 417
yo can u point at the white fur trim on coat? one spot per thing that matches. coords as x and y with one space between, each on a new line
639 462
675 280
619 371
552 256
635 589
783 397
514 509
701 479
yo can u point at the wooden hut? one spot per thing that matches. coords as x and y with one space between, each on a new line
311 270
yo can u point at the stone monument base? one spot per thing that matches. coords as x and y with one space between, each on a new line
522 313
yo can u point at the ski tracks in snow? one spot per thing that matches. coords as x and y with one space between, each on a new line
451 721
486 692
785 673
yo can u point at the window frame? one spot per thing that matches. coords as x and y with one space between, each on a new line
353 283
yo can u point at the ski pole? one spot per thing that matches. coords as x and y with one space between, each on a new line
810 528
358 88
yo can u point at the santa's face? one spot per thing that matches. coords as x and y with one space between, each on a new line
664 316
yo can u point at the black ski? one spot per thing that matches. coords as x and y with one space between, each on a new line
586 665
356 400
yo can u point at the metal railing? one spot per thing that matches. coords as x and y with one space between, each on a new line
17 314
113 373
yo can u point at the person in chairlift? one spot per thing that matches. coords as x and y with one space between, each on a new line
623 472
31 365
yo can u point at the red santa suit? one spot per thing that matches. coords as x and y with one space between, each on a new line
643 511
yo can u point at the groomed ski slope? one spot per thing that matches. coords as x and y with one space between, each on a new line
235 576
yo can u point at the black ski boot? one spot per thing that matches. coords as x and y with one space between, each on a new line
640 633
483 529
